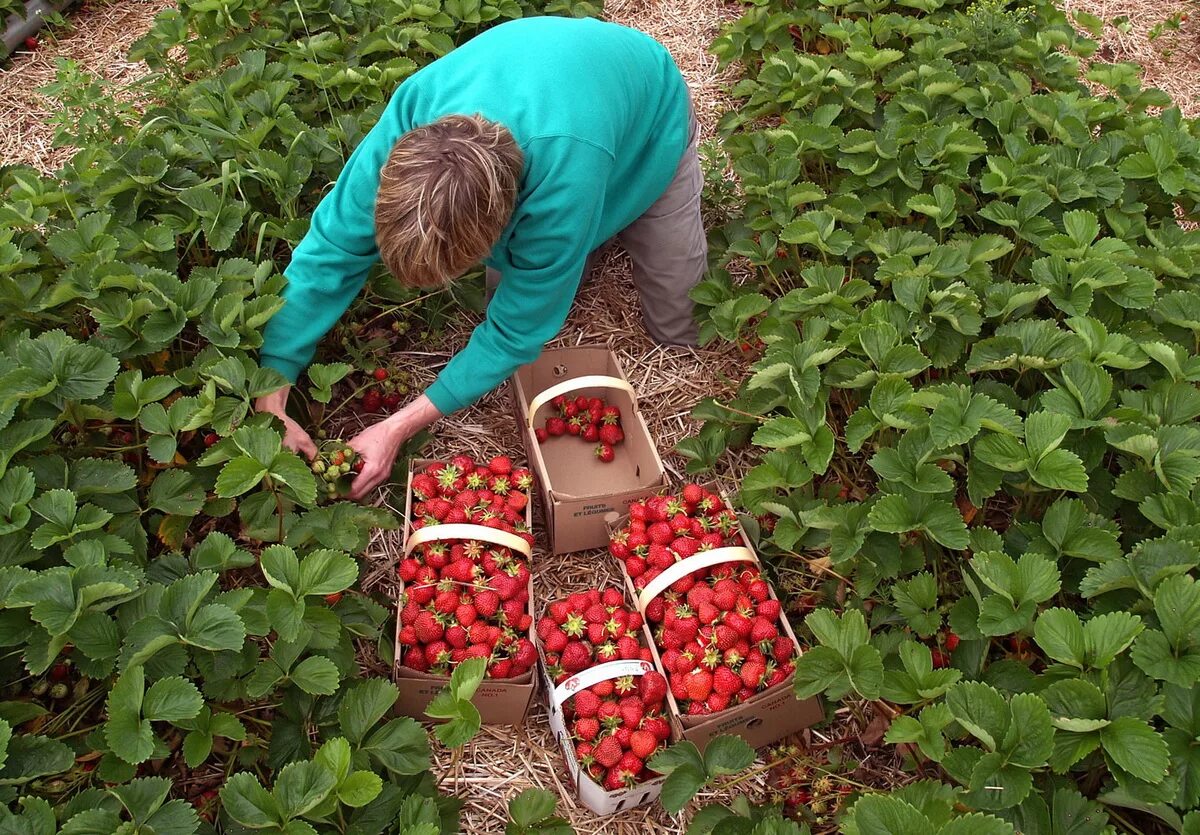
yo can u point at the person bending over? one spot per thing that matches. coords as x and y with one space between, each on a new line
528 148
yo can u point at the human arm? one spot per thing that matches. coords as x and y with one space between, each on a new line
327 270
380 444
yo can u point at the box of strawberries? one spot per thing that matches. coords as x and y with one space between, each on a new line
466 585
607 700
586 441
713 622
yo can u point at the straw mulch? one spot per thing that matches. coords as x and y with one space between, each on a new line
97 37
1170 62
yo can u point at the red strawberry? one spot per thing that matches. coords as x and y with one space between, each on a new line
605 453
940 659
380 374
752 673
427 627
516 501
586 703
541 435
556 426
587 728
611 434
525 655
698 684
951 641
693 494
607 752
643 744
653 688
391 400
372 401
575 657
726 681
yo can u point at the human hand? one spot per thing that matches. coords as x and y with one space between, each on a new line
378 447
294 436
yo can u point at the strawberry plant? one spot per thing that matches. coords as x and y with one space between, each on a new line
974 414
180 596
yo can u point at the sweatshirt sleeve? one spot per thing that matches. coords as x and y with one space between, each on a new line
331 262
554 231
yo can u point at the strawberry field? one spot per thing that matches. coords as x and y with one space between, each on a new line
949 385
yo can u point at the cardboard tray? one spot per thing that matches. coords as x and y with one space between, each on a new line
590 793
500 701
577 491
769 716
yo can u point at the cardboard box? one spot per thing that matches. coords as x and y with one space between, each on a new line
500 701
770 715
590 793
577 491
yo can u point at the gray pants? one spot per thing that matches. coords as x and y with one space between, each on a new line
669 250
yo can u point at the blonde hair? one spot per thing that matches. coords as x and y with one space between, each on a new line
445 194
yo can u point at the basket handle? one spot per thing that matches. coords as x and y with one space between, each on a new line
732 553
588 381
436 533
597 674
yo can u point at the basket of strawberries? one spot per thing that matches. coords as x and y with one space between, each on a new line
715 624
607 700
466 584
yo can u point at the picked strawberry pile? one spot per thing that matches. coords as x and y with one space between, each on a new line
468 598
590 419
717 629
619 724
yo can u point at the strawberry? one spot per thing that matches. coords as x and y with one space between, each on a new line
752 673
487 603
525 655
692 494
211 439
653 688
611 434
556 426
372 401
607 752
586 703
576 657
951 642
31 42
332 599
516 501
587 728
726 681
541 434
940 659
380 374
632 712
427 627
698 684
500 465
643 744
605 453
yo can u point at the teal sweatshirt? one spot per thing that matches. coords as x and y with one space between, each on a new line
600 112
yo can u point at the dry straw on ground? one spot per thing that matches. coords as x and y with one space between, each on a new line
1170 62
98 37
